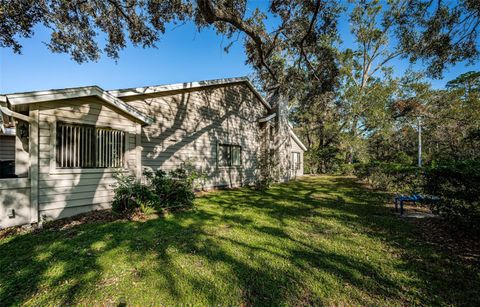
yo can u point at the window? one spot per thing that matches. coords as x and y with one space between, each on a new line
296 160
229 155
7 156
14 146
87 146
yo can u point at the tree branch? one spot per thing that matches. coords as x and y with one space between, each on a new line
212 14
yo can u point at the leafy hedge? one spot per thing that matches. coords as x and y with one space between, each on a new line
457 184
392 177
160 190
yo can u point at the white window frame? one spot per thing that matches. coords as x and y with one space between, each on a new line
230 157
53 152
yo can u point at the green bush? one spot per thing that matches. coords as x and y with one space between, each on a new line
160 190
174 189
457 184
392 177
131 196
402 158
345 169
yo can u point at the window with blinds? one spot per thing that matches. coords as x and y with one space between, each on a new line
229 155
87 146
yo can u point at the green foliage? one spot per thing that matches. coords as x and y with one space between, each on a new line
345 169
439 33
174 189
131 196
469 81
268 167
321 160
392 177
160 190
457 184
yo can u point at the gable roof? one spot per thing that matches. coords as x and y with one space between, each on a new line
187 85
297 140
112 97
77 92
295 137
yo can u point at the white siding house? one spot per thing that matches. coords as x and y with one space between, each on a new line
59 149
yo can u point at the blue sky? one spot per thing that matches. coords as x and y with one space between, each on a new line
183 54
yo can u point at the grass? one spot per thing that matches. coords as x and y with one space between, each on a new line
320 240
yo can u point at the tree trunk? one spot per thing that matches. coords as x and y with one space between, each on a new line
353 134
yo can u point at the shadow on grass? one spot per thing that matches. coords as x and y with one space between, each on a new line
313 241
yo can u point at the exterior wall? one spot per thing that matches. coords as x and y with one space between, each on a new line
14 192
190 124
296 148
65 192
14 195
7 147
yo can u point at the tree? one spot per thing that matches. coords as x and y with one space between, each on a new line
297 48
468 82
450 120
319 124
366 77
299 41
440 33
291 44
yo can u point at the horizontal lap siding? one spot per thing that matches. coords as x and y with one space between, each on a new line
17 199
188 125
75 191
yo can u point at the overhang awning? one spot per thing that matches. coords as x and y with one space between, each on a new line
6 111
267 118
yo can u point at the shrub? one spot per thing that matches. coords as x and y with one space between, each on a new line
345 169
392 177
131 196
457 184
402 158
268 169
160 190
174 189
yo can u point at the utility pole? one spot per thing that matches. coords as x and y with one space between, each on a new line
419 141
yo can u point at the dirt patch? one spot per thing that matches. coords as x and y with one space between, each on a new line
457 242
413 211
98 216
10 231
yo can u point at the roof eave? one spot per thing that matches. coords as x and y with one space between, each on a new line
78 92
120 93
297 140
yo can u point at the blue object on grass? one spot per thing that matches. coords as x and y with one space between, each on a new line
414 198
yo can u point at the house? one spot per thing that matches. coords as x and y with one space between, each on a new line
60 149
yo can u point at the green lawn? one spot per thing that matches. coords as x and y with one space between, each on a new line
323 240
